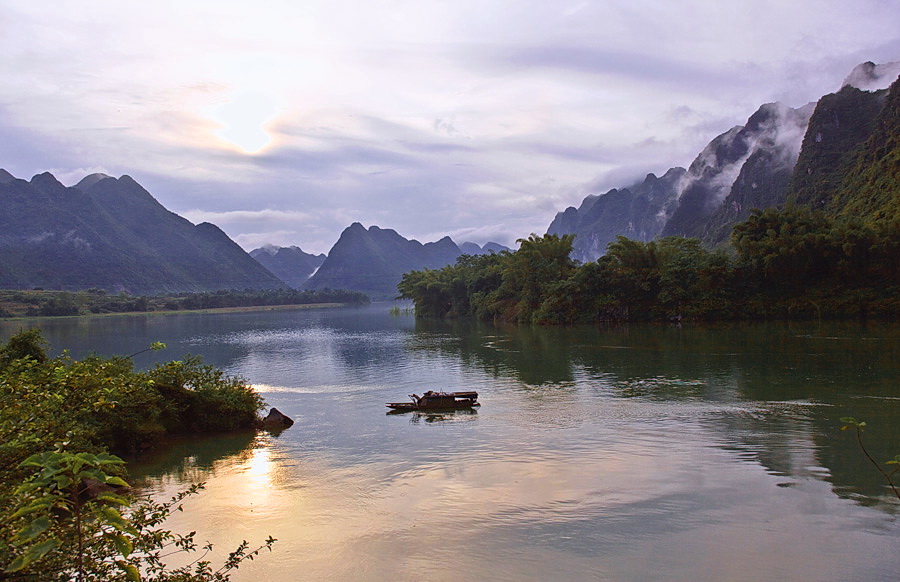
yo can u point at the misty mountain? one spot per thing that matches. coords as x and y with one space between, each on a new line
111 234
772 140
637 212
373 260
781 154
871 77
290 264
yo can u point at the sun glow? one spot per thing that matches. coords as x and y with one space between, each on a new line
244 120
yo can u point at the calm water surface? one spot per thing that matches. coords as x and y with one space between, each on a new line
639 453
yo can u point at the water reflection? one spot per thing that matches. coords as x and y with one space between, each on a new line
461 415
189 458
795 377
567 504
635 453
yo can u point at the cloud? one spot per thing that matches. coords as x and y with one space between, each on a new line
481 117
649 68
247 216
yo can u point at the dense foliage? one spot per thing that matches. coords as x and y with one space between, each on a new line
787 263
62 513
60 303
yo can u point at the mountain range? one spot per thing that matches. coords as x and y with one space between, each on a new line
373 260
290 264
110 233
840 154
781 155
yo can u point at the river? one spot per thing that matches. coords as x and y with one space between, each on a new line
633 453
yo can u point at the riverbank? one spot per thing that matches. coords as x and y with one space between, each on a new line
183 311
42 303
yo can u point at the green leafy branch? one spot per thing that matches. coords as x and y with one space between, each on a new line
857 425
154 347
73 518
75 489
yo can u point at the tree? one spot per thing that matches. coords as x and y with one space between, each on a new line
530 274
28 343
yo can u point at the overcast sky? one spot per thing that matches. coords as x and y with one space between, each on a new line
284 122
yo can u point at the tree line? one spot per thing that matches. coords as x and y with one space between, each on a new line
782 263
41 303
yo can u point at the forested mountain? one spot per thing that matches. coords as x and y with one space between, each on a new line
111 234
290 264
373 260
871 186
804 156
850 164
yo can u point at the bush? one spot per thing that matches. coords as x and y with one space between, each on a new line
58 419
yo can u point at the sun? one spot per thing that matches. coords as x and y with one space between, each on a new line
244 119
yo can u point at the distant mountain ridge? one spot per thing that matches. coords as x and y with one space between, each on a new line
374 260
111 234
637 212
290 264
755 165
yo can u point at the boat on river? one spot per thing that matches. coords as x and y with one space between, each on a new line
437 401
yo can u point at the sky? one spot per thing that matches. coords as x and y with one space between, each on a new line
283 122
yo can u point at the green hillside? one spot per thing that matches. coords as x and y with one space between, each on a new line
871 186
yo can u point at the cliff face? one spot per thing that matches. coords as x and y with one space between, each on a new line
871 186
841 123
637 212
746 167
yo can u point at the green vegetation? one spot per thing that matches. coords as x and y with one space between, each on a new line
870 186
66 512
838 129
40 303
792 263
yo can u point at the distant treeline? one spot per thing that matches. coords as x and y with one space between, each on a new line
793 263
60 303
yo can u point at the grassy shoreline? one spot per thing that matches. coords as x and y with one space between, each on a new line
247 308
43 303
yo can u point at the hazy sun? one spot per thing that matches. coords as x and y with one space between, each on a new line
244 120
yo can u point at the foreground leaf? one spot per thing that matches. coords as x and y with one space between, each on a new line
34 553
